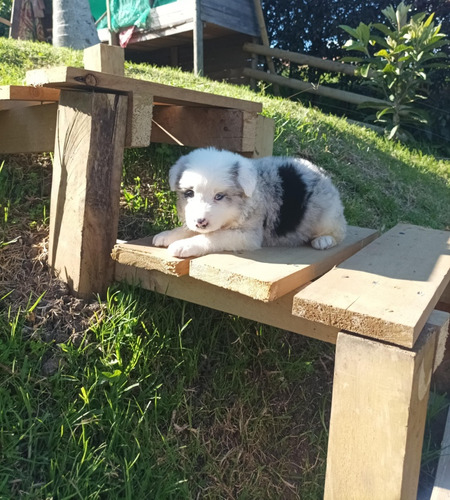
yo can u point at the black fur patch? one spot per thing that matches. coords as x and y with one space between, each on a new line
294 199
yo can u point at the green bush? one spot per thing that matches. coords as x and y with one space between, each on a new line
397 63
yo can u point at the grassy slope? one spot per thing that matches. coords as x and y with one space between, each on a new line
161 399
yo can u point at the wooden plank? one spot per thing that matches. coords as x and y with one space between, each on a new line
139 120
76 78
237 15
276 313
378 412
302 59
140 253
293 83
271 272
7 22
265 131
13 96
201 127
441 489
385 291
87 170
28 129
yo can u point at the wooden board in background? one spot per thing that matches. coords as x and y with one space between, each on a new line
271 272
385 291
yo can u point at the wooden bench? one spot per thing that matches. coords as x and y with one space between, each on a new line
373 297
377 305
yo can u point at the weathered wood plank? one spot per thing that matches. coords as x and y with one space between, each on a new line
140 253
76 78
293 83
237 15
230 129
85 195
379 406
276 313
385 291
28 129
13 96
105 58
271 272
265 131
303 59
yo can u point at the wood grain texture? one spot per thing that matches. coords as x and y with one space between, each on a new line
105 58
276 313
230 129
237 15
271 272
17 96
385 291
141 254
379 405
76 78
85 195
265 131
29 129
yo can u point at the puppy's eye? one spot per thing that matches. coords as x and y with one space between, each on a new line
189 193
219 196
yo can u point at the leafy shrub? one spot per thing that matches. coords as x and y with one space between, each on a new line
397 64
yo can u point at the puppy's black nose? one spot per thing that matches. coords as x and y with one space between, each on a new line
202 223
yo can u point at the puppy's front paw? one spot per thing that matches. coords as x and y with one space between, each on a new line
165 238
186 248
323 242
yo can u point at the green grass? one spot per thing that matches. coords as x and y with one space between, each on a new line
158 398
168 403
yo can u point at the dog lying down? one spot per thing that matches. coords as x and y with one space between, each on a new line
231 203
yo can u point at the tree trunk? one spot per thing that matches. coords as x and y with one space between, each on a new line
73 25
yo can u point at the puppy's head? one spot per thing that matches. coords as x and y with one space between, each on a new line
212 186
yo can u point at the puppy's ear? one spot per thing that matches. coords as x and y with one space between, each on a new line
246 176
175 173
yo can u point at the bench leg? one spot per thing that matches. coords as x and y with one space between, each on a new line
87 169
380 396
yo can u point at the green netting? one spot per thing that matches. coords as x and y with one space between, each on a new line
98 7
126 13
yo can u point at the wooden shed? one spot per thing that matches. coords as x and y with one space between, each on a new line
205 36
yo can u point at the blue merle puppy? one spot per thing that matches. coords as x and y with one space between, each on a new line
231 203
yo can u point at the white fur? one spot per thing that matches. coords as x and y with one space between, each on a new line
230 203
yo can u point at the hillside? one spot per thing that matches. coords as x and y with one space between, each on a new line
143 396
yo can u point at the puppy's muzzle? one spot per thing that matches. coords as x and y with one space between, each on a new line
201 223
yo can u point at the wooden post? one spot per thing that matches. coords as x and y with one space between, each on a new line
105 58
198 39
380 395
265 41
84 211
